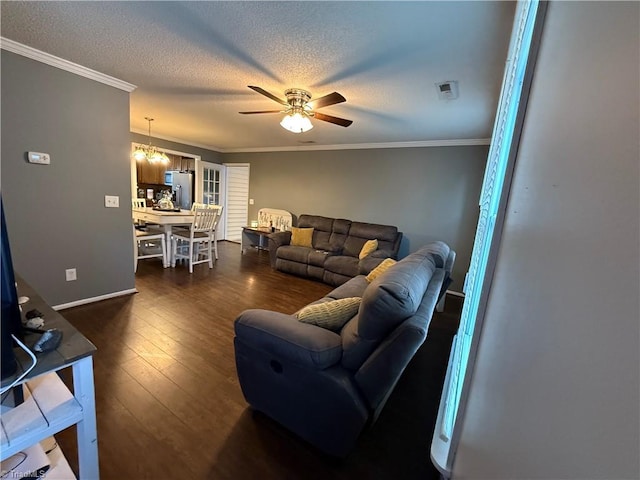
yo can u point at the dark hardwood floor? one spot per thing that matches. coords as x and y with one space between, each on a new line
168 402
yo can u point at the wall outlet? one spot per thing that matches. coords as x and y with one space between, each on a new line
111 201
70 274
251 201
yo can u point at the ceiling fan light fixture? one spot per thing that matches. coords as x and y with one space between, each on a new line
296 122
149 152
298 109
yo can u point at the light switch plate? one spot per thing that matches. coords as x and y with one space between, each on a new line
111 201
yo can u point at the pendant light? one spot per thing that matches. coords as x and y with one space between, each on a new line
149 152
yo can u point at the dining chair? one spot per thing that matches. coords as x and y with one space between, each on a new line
149 245
214 232
194 245
197 205
144 226
138 203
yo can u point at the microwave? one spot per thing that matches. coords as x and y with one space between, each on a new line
168 177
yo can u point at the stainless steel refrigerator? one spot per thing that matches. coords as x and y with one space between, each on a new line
182 188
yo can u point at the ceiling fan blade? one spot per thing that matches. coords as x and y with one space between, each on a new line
328 118
327 100
267 94
261 111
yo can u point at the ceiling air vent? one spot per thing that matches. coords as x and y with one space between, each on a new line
447 90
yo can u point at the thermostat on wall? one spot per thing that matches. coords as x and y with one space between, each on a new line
38 157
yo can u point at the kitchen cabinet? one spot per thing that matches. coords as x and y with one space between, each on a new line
150 173
153 173
181 164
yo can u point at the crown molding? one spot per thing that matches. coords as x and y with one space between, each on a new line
356 146
61 63
365 146
188 143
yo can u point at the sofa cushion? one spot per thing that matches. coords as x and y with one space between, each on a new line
331 315
385 265
324 224
301 237
391 298
360 232
342 264
339 234
294 253
355 287
369 246
322 227
284 338
317 258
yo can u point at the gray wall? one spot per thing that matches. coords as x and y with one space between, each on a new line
428 193
555 389
206 155
55 214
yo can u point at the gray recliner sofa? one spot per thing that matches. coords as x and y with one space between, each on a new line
333 257
326 386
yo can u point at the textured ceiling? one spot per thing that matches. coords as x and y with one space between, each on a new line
192 62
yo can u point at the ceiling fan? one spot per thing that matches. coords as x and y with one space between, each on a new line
298 108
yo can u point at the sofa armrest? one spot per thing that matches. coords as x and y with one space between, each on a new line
286 338
276 240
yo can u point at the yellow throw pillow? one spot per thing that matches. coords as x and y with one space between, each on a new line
370 246
330 315
301 237
385 265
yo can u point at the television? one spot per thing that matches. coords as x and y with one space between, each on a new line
10 322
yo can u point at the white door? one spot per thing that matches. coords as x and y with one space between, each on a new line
237 206
210 190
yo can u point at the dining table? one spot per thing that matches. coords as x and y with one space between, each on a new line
165 218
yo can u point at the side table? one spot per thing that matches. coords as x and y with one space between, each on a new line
254 237
49 407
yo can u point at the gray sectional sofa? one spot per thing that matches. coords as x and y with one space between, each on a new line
327 385
333 258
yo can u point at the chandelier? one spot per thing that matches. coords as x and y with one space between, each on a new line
149 152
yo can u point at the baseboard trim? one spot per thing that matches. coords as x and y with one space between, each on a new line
99 298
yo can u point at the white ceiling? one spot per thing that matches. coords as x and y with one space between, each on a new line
192 63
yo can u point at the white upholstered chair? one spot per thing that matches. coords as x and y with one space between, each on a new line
195 244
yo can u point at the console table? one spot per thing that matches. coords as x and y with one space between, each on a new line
251 234
269 220
49 407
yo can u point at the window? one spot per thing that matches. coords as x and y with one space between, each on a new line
211 183
497 178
